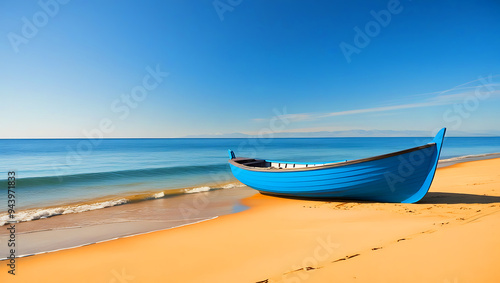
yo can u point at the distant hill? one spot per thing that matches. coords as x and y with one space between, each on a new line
349 133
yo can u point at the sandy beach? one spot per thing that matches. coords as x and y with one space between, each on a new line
452 235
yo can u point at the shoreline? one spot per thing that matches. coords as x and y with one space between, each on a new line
281 239
467 158
40 213
130 198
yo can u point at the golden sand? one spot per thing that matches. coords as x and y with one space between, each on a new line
452 235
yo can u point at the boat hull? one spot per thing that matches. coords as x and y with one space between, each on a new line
402 177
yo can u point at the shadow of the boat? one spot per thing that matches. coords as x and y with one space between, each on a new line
456 198
430 198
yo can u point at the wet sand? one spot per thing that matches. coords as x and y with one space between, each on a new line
71 230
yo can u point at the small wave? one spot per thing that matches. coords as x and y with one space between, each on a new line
159 195
35 214
207 188
105 177
197 190
41 213
233 185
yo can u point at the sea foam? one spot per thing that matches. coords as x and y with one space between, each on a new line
40 213
197 190
207 188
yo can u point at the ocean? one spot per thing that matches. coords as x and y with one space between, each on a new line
63 176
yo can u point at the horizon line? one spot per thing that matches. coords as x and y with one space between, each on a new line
249 137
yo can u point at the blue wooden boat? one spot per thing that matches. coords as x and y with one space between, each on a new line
404 176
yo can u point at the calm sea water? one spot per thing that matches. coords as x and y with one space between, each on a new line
52 173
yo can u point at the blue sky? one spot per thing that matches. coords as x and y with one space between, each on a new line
233 66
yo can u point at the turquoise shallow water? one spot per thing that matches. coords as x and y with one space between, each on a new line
62 171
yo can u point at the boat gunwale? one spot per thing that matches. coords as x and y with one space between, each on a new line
333 165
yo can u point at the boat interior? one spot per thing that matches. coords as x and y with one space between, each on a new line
252 162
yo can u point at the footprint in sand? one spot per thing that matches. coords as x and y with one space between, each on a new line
347 257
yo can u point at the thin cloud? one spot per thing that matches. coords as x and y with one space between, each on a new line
290 117
465 86
377 109
446 97
260 120
297 117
